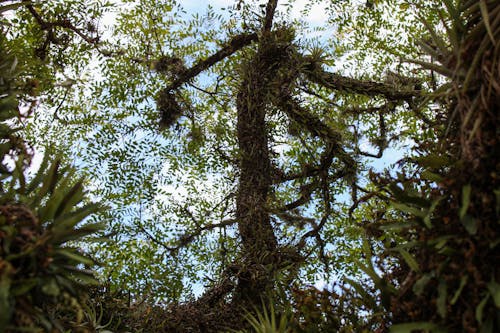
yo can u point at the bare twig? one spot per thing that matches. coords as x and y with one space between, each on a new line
382 140
327 205
156 240
188 237
56 112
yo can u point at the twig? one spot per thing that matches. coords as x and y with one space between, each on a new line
326 201
66 24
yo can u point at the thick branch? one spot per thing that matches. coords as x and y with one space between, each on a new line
270 10
368 88
312 123
305 196
316 127
235 44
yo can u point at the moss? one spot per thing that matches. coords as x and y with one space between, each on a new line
170 109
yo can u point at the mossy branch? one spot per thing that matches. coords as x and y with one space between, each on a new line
235 44
362 87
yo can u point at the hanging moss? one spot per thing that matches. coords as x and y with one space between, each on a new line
170 109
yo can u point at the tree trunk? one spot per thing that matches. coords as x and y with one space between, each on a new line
256 231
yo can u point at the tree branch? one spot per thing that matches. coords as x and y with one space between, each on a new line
305 196
66 24
188 237
270 10
381 142
368 88
234 45
328 209
317 128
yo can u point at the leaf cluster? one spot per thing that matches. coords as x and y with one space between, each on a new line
40 216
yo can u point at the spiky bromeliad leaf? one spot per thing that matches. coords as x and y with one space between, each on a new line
43 215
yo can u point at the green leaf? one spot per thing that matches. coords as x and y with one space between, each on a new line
494 289
71 198
433 161
452 10
486 19
439 69
21 287
497 196
14 6
480 308
470 224
419 286
487 326
39 176
465 201
73 255
56 202
409 209
397 225
77 234
463 281
439 42
79 276
9 112
361 290
402 197
410 261
441 299
49 181
5 305
432 176
51 288
67 222
369 271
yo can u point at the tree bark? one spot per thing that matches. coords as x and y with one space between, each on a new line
255 228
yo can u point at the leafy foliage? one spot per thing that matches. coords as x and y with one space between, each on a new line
41 276
262 173
446 281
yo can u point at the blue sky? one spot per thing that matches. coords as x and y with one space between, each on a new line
316 17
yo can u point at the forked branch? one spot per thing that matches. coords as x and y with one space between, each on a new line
65 24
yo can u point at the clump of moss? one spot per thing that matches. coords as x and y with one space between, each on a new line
170 65
170 109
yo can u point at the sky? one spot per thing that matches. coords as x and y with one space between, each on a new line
317 16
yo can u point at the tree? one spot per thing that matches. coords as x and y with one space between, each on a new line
283 127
